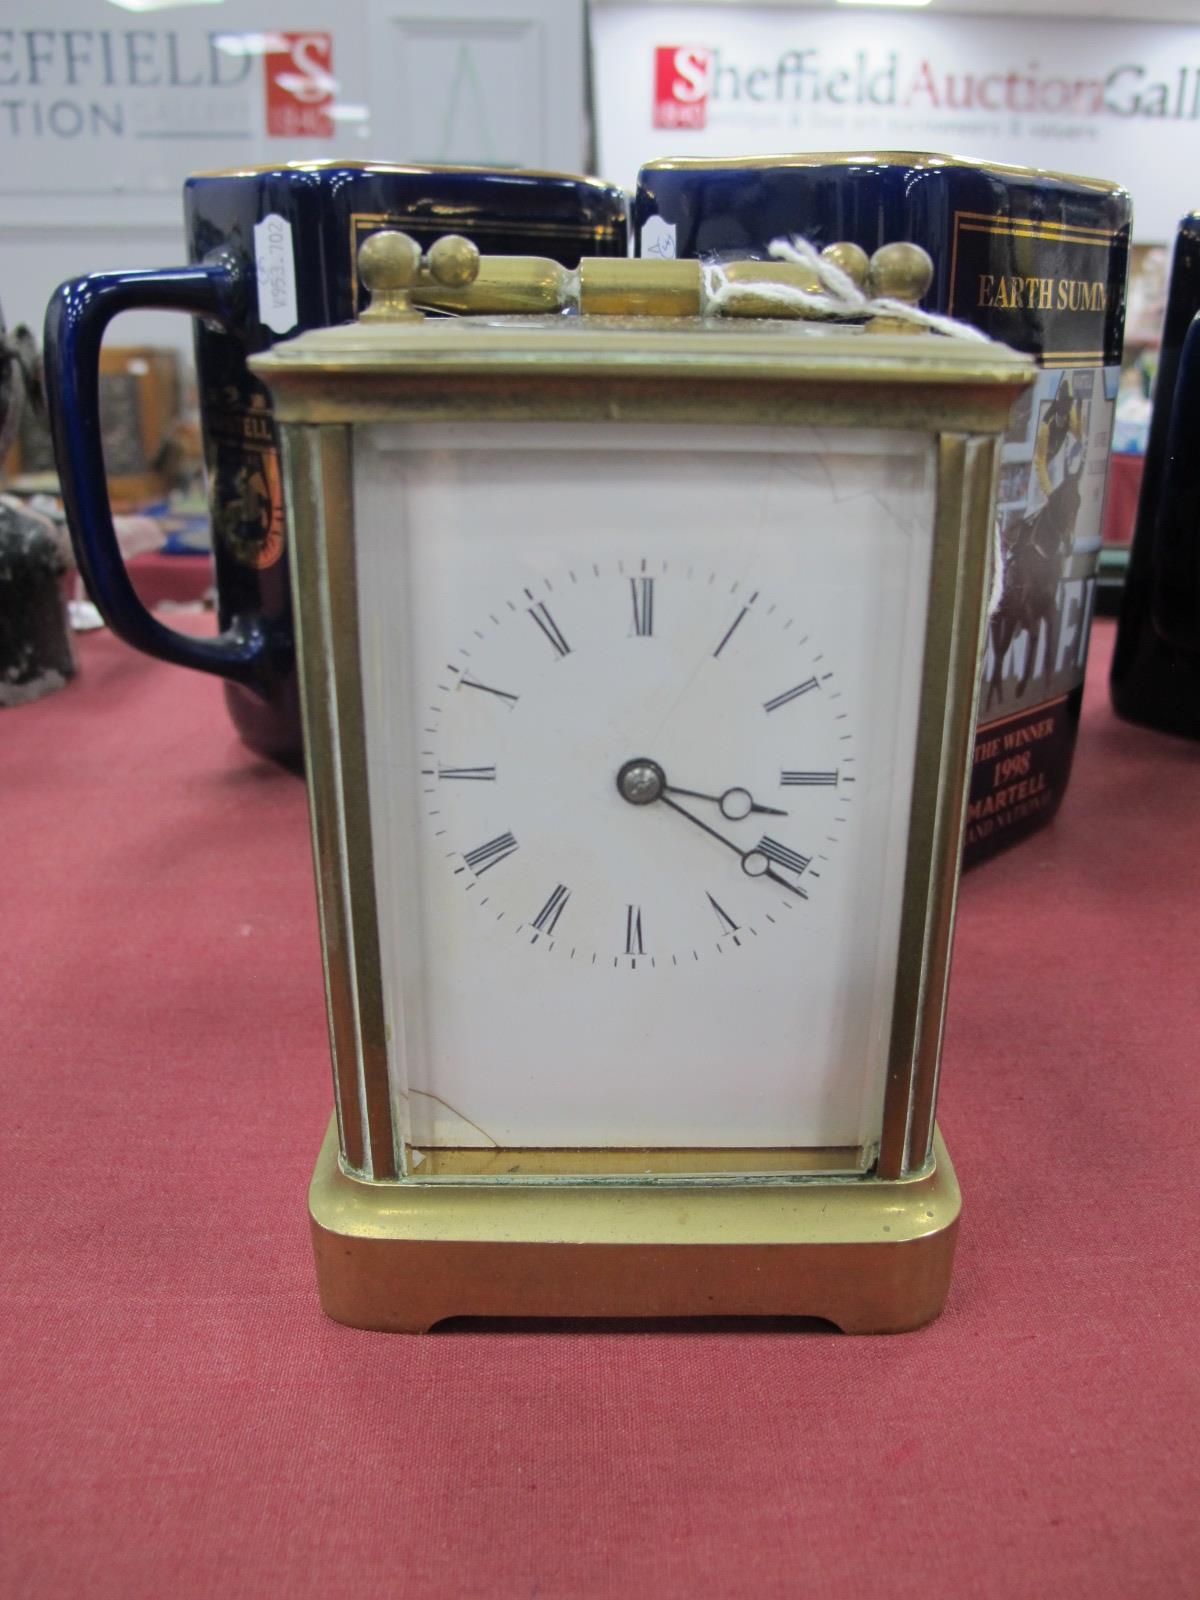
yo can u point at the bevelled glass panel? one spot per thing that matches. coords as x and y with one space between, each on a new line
641 711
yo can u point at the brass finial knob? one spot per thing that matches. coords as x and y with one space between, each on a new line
391 266
900 272
851 258
453 261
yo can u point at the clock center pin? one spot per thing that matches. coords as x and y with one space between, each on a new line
641 781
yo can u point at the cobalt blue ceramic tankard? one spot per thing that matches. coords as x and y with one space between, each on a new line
272 253
1156 663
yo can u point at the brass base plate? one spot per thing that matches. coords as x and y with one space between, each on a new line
868 1256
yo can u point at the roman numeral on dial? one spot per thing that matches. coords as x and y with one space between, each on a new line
730 631
501 694
633 931
790 860
642 591
548 916
790 694
486 856
550 628
809 779
728 925
483 774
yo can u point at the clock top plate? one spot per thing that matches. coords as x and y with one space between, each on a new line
334 373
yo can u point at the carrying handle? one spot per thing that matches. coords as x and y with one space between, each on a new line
76 319
1175 591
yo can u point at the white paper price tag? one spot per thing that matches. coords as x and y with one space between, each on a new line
275 265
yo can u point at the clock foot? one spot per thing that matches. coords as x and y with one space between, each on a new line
870 1257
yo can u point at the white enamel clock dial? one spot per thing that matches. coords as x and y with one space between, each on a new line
607 655
641 708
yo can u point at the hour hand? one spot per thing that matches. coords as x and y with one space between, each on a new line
641 781
735 803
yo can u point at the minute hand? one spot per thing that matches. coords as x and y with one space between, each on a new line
766 870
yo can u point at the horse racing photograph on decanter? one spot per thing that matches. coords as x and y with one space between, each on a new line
1059 431
1048 524
639 656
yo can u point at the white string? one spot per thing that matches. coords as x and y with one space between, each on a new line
838 298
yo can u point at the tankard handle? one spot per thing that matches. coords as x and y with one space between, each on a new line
76 319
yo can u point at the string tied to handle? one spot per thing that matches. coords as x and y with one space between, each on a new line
896 278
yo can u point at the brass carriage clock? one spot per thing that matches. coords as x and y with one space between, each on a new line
638 650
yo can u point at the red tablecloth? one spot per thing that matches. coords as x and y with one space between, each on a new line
182 579
179 1419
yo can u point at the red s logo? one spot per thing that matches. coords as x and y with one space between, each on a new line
682 74
300 86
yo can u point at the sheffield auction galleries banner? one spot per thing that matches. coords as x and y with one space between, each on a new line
95 99
1101 99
